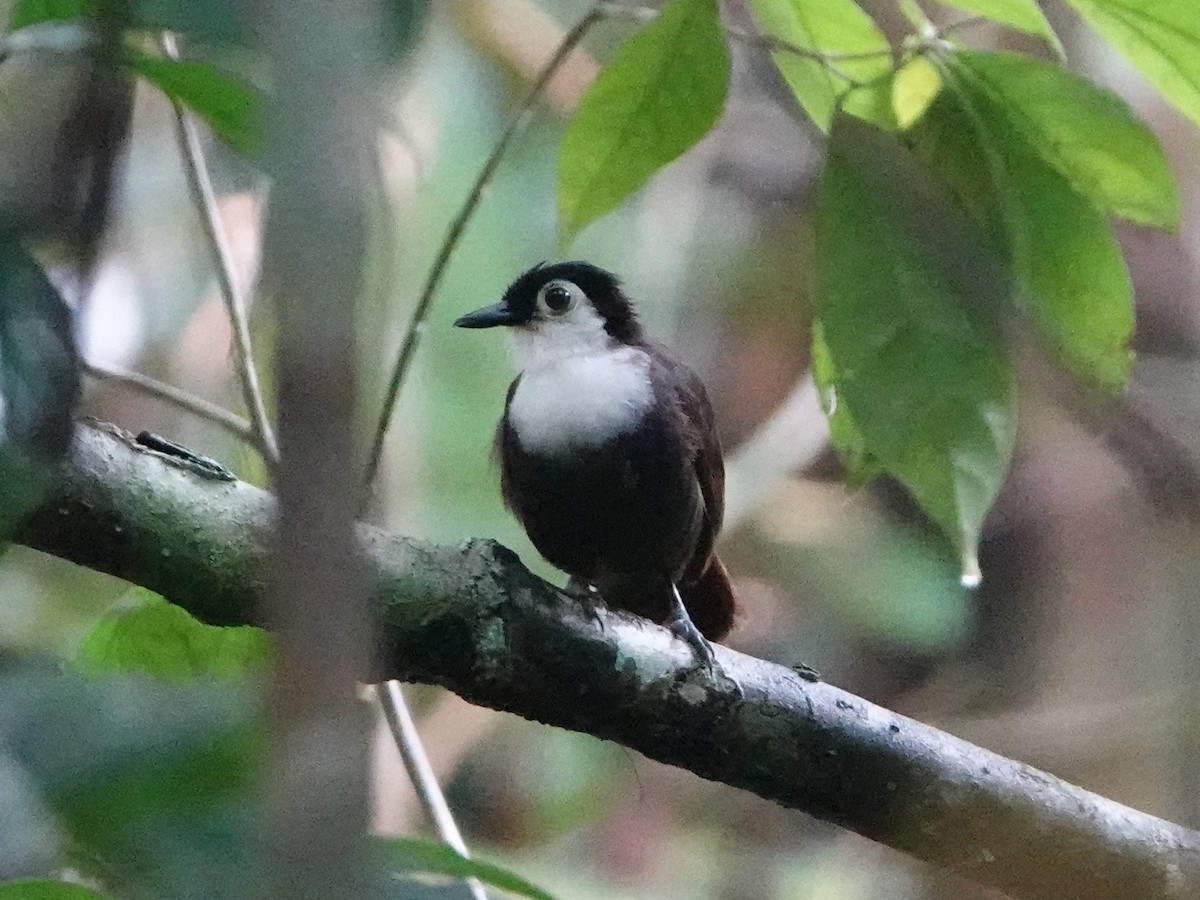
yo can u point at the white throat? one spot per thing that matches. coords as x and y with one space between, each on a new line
578 387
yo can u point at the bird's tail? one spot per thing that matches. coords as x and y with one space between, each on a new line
710 600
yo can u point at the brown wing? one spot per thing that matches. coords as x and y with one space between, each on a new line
698 426
705 587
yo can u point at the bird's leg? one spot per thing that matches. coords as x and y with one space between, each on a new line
682 626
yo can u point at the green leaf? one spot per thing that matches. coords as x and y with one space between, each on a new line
913 89
413 856
1060 249
660 93
152 779
150 636
226 103
906 297
1023 15
45 889
1160 37
847 437
30 12
1088 134
832 27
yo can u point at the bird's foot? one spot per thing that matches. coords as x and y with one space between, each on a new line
682 626
685 629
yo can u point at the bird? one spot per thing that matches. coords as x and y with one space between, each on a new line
608 452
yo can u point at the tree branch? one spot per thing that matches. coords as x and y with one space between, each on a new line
473 619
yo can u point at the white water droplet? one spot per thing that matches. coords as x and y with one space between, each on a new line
971 576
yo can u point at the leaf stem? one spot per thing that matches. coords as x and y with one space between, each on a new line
420 772
768 42
190 403
200 185
412 334
969 22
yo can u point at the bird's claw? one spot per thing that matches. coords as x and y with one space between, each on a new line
682 626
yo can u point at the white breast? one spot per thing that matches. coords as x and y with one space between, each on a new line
581 400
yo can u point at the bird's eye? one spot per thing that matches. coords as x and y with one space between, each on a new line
558 297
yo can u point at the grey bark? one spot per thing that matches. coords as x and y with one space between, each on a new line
472 618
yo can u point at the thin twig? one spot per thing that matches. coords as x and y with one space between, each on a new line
412 334
200 185
969 22
197 406
424 781
768 42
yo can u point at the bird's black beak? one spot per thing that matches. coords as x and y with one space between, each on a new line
488 317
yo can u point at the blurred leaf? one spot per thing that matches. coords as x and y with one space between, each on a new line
44 889
30 12
212 21
218 22
913 89
906 294
892 584
660 93
150 781
413 856
568 780
1088 134
39 381
1023 15
832 27
226 103
1161 38
153 637
1060 250
403 23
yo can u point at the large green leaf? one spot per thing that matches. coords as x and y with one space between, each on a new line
1160 37
226 103
1088 134
906 294
150 636
660 93
833 27
1060 249
413 856
1024 15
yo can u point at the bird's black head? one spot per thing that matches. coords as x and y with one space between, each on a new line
575 296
